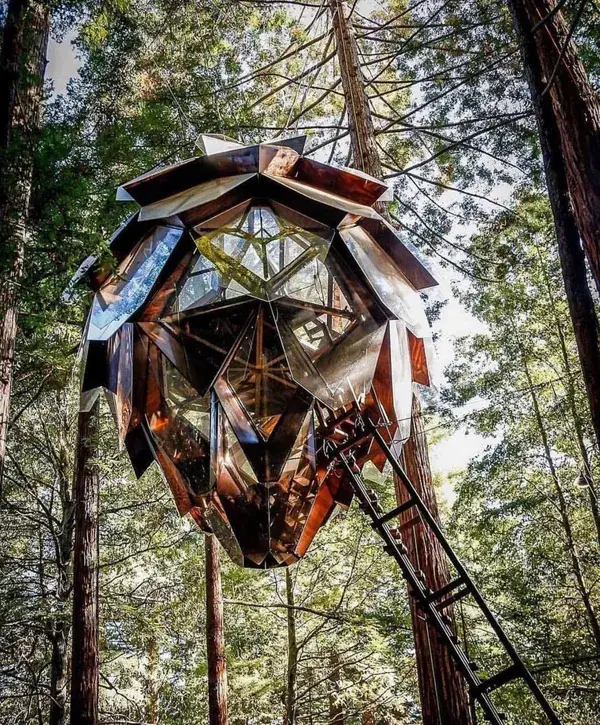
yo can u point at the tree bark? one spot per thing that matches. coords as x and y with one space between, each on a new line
22 67
84 669
362 131
442 691
215 638
434 665
151 683
570 544
570 389
576 108
60 627
58 672
572 257
292 666
336 706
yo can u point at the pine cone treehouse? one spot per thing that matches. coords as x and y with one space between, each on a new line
259 307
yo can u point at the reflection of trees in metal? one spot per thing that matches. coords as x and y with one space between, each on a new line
258 304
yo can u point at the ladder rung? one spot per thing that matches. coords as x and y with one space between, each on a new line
501 715
454 598
409 524
398 548
500 678
446 589
395 512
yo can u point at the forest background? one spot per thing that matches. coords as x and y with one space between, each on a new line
459 146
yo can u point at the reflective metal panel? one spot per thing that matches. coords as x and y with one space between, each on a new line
254 327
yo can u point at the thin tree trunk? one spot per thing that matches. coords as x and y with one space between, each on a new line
575 413
84 669
58 672
22 66
336 706
441 687
151 684
362 131
570 545
61 625
572 258
576 108
292 666
215 639
434 664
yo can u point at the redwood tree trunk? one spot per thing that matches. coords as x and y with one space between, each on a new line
435 667
576 108
360 120
22 66
84 669
572 258
441 687
215 639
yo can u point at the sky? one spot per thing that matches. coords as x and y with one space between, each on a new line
62 63
453 452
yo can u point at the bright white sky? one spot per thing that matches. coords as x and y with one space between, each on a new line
454 452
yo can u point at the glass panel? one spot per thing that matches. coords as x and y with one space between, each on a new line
183 399
185 444
259 373
243 498
386 279
126 291
292 497
314 283
336 367
263 255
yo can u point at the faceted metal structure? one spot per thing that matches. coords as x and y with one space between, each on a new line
258 302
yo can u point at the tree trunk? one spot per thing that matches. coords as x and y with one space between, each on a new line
576 107
570 389
22 66
336 706
360 120
84 669
434 664
572 258
570 544
58 672
441 687
151 684
215 639
292 666
61 625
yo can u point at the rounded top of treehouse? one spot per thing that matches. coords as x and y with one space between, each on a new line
191 192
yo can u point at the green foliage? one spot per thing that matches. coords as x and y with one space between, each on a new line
155 74
523 523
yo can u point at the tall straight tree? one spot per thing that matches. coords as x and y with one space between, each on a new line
215 639
84 669
561 161
22 66
576 107
442 690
